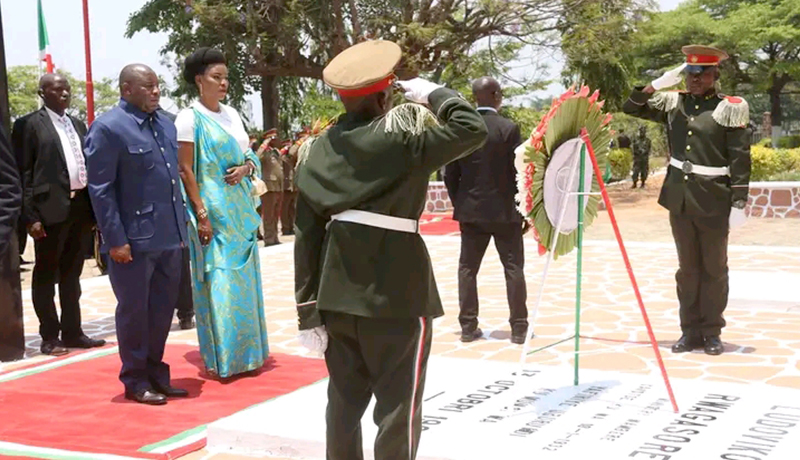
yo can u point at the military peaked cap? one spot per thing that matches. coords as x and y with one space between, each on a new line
363 69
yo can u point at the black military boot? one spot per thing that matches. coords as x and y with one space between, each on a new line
687 343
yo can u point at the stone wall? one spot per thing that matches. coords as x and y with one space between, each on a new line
774 199
767 199
438 199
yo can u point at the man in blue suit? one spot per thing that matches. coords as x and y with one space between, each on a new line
132 157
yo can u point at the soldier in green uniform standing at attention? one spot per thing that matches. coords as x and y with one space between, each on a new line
641 156
706 186
364 283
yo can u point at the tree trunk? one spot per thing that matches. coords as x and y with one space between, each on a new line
270 101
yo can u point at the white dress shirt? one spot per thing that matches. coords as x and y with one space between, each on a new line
71 143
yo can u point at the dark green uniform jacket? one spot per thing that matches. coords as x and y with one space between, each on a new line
695 135
366 271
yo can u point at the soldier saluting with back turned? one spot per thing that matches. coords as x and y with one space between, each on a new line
364 282
706 186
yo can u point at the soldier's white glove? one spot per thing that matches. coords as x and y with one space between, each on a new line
737 218
669 79
316 340
418 90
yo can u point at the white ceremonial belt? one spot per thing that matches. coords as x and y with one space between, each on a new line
689 168
383 221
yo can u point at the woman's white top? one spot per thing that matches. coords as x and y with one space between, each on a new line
227 117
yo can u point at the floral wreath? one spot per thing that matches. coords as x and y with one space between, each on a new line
567 116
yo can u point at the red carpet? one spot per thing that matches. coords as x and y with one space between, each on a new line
80 407
438 224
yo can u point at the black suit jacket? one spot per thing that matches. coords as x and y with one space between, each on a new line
483 186
18 140
10 196
45 174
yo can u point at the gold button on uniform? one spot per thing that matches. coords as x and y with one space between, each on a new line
685 177
690 133
688 147
697 107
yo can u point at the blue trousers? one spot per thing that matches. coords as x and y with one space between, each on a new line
147 292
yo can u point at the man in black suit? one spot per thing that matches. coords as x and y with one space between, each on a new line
482 187
185 306
17 146
58 215
12 333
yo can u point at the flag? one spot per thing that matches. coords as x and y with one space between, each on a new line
44 41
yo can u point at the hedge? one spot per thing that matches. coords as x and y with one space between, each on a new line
621 163
770 164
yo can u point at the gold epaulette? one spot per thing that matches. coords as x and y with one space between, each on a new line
409 118
665 101
732 112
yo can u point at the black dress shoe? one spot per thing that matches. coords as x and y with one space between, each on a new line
53 348
171 392
687 343
148 397
471 336
714 345
186 324
84 342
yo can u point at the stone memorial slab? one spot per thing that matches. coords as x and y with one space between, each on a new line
486 409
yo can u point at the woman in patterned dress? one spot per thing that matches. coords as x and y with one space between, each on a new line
218 169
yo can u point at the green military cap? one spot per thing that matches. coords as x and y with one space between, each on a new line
363 69
699 58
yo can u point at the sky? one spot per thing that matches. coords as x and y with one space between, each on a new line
110 49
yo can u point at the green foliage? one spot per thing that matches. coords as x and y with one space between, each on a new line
23 87
293 40
789 142
787 176
766 142
592 37
768 163
525 117
621 161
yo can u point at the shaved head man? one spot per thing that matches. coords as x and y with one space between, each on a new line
132 153
138 85
487 92
482 188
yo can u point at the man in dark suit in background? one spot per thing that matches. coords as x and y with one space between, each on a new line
12 333
58 215
185 304
482 187
17 146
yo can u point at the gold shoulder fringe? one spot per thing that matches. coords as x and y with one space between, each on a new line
732 113
409 118
305 148
665 101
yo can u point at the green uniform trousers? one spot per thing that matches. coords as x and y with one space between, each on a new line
385 357
702 276
641 168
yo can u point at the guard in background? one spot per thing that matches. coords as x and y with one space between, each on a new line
272 175
641 156
364 283
483 187
289 202
706 186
